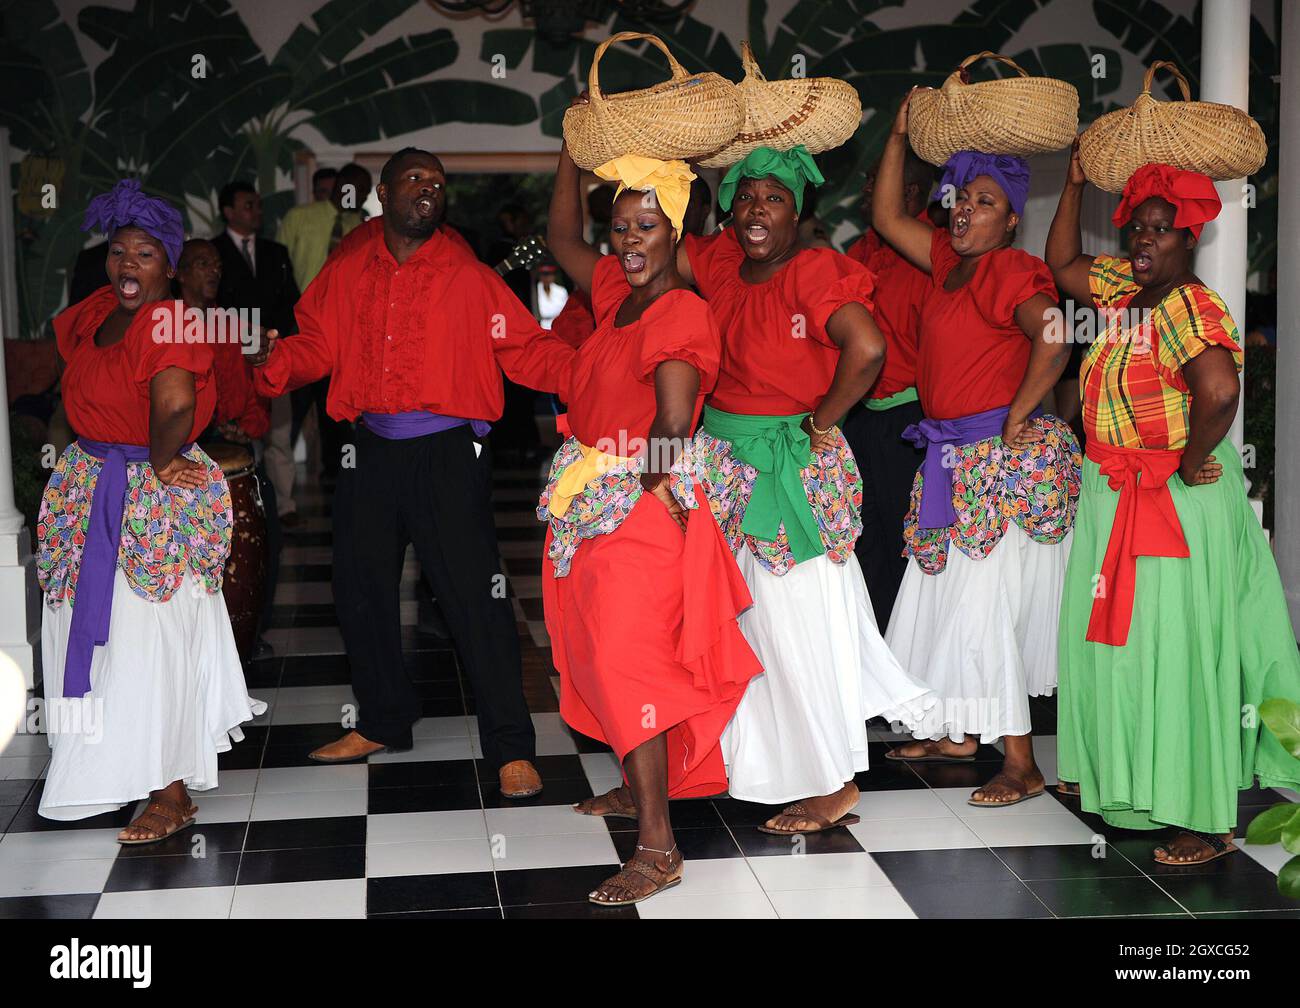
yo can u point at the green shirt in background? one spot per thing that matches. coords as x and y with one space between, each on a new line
306 230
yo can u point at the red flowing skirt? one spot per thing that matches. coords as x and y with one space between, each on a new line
644 636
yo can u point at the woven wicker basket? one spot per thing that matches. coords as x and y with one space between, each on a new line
687 116
818 112
1220 141
1013 115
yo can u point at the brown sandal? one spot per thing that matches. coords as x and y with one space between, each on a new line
1217 846
645 868
619 807
168 812
931 754
797 810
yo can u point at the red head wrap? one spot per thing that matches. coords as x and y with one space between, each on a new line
1192 194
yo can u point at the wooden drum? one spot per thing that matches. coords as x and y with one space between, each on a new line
244 586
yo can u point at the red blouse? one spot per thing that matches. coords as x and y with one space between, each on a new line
236 399
575 323
612 390
971 355
431 334
777 358
106 389
900 291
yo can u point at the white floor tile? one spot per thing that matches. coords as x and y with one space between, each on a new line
332 898
430 857
866 903
199 903
58 845
1029 831
293 714
716 876
519 852
27 744
308 696
425 749
309 805
23 767
443 727
817 871
231 782
600 764
223 808
921 803
957 799
541 820
915 834
708 906
411 827
555 744
287 780
55 878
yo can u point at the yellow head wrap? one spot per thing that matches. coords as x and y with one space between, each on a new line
670 181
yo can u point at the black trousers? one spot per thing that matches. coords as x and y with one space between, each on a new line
433 492
888 465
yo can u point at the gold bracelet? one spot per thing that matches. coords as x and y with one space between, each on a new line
816 430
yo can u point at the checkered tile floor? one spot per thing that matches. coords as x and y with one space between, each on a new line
426 833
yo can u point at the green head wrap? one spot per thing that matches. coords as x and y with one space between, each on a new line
794 169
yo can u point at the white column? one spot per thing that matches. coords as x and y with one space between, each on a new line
1286 486
20 612
1225 78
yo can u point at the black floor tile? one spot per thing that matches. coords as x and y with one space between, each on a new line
15 792
973 900
307 736
298 834
135 874
77 907
445 706
1210 893
686 814
1103 897
530 886
316 670
286 756
1065 861
407 893
756 844
303 865
423 798
264 674
1252 914
201 839
305 572
936 867
430 773
28 820
555 791
694 844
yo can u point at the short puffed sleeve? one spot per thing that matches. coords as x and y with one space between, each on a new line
679 326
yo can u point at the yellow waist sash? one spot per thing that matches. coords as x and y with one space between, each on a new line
578 475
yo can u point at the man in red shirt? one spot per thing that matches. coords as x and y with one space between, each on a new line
887 462
414 335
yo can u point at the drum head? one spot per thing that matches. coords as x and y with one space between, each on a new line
235 460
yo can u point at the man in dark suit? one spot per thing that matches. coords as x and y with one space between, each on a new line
256 273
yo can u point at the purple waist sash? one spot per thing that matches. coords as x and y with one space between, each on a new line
93 606
936 437
418 423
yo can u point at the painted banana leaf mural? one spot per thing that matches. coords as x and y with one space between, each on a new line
186 100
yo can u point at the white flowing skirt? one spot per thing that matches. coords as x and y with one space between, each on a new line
982 634
800 730
167 696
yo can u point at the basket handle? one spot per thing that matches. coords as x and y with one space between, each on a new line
750 64
963 68
1178 76
593 79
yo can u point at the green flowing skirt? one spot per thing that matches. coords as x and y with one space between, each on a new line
1164 731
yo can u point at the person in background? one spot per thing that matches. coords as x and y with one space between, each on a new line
551 297
600 207
886 461
516 438
310 232
322 184
416 334
241 416
257 273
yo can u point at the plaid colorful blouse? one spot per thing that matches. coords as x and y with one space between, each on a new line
1134 395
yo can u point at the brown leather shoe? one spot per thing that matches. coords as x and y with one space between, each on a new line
351 747
520 779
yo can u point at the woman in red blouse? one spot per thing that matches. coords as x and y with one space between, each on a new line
142 680
799 348
640 590
994 500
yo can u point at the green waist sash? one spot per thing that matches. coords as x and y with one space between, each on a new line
778 448
908 395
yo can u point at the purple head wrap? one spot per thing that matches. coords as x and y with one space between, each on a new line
1009 172
126 206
